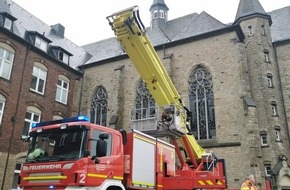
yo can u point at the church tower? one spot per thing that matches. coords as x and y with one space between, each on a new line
265 144
159 14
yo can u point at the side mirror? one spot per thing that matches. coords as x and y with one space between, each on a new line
104 136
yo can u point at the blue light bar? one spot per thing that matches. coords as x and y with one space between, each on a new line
67 120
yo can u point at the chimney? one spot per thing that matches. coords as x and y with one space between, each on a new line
58 29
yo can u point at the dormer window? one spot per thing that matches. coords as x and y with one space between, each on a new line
8 23
7 20
63 56
40 43
60 54
38 40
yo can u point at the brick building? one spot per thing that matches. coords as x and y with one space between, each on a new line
37 81
233 77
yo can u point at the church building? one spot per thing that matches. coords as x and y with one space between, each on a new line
234 78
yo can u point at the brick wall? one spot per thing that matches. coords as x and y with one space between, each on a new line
18 97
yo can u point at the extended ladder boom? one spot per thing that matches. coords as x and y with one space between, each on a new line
130 32
132 36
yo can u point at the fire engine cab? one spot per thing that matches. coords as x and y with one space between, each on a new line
76 154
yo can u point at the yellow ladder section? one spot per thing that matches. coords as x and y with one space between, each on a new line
130 32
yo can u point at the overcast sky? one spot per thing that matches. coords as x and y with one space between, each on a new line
85 21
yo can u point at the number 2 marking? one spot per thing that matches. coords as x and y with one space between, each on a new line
83 177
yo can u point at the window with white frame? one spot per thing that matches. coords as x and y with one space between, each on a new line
268 170
6 60
32 115
2 105
274 109
41 43
8 23
38 78
277 134
264 140
62 89
270 80
250 30
63 57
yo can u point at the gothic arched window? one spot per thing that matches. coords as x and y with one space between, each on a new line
99 106
202 104
145 104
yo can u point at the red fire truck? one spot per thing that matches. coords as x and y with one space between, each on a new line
75 154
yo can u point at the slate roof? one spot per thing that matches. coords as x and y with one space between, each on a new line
27 22
248 7
176 29
4 7
202 23
194 24
104 49
280 28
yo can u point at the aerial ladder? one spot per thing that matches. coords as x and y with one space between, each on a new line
131 33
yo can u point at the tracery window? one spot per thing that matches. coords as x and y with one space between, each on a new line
99 106
202 104
145 105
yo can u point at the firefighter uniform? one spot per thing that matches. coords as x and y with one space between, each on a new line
248 185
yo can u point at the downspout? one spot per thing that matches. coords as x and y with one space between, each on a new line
281 89
14 118
81 91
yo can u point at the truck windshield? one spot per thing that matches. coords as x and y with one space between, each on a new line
58 144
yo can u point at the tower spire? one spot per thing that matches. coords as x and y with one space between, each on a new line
159 14
250 8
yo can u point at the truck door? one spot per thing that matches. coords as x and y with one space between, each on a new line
106 164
